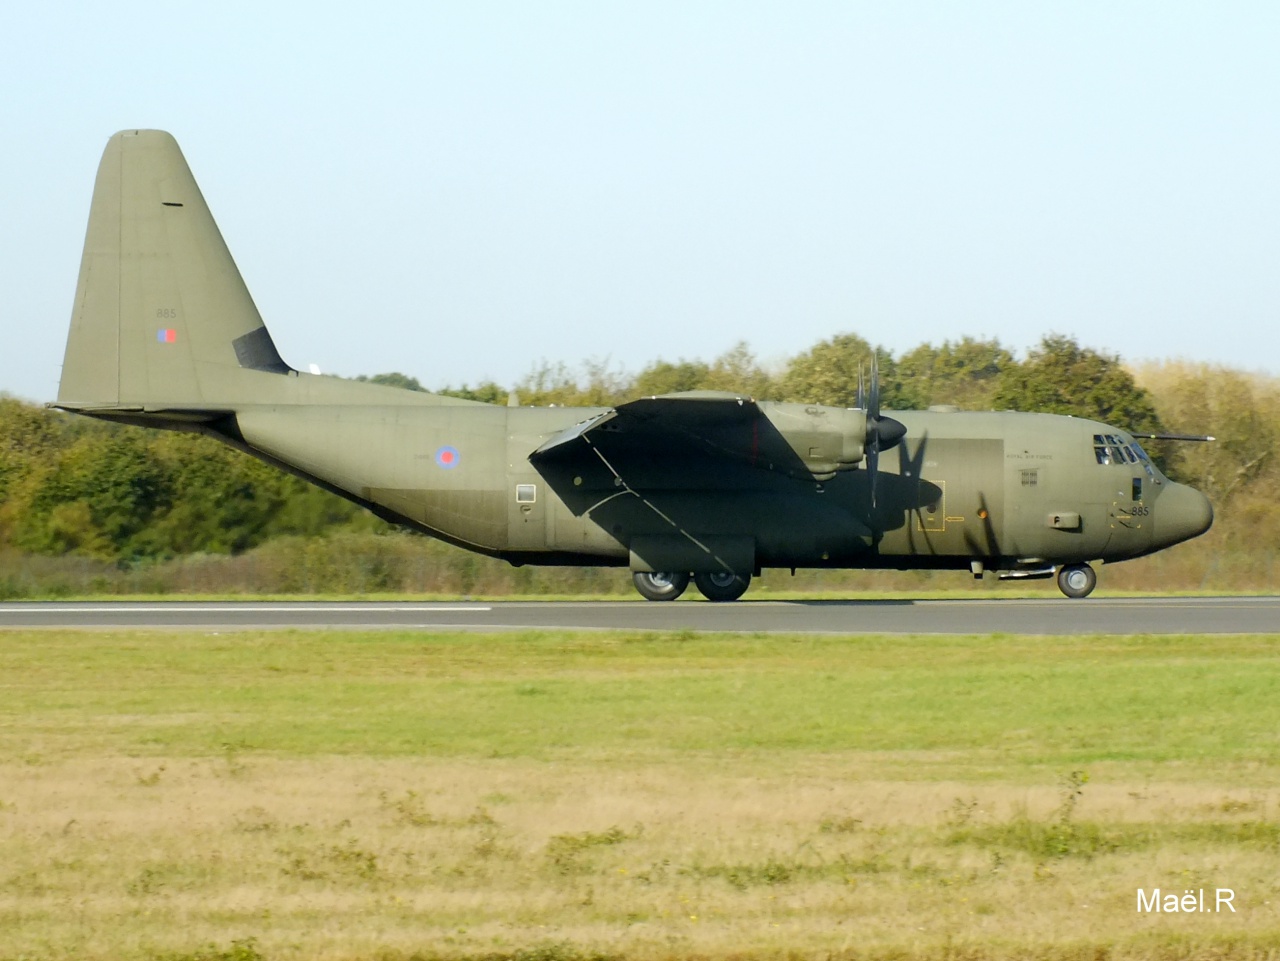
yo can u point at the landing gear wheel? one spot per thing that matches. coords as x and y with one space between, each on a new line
722 585
1077 580
660 585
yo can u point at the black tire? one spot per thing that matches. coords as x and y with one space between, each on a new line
722 585
1077 580
660 585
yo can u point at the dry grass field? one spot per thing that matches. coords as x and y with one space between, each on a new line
396 795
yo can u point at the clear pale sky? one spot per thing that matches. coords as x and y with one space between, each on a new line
460 190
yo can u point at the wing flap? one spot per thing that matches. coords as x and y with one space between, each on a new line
564 443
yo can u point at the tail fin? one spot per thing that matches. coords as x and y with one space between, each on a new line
162 318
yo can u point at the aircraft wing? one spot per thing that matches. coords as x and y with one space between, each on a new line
707 419
652 426
667 438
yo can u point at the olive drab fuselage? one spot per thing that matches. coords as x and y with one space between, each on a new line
1008 489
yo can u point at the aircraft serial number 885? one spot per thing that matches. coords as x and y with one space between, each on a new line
706 486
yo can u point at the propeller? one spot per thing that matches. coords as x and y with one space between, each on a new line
883 433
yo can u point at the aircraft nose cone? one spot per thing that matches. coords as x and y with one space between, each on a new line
1181 513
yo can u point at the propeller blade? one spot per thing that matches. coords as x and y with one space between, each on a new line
873 404
883 433
872 443
873 469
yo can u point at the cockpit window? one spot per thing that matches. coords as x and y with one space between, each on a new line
1116 456
1115 449
1143 459
1109 449
1101 451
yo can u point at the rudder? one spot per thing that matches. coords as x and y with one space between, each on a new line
162 317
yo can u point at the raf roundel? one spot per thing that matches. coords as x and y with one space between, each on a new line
447 457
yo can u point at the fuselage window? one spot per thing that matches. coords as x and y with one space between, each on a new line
526 493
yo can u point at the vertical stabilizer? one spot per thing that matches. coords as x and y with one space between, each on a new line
162 317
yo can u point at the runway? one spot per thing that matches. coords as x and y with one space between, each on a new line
1157 615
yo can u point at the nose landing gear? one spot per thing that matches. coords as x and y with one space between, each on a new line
1077 580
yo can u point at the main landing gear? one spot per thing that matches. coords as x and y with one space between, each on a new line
1077 580
722 586
660 585
668 585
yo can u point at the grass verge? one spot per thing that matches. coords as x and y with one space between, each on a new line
392 795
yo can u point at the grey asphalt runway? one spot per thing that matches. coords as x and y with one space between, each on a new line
1158 615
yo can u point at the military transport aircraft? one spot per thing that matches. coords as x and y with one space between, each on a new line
713 486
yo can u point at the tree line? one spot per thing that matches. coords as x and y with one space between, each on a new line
70 486
1057 376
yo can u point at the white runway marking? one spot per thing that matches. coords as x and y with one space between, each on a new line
160 607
